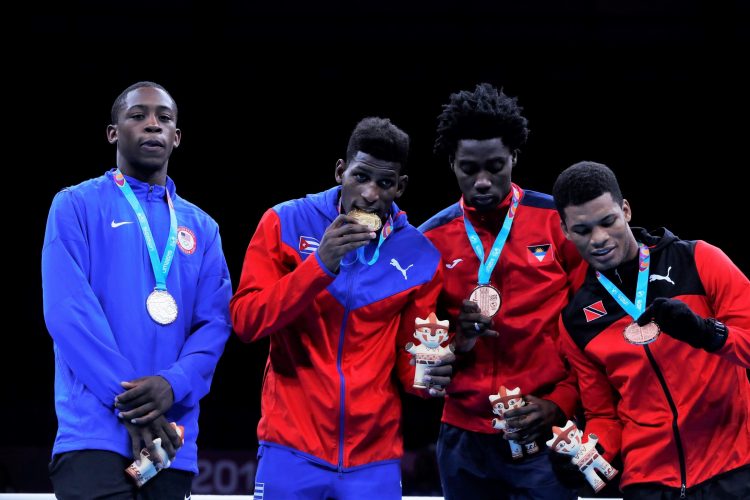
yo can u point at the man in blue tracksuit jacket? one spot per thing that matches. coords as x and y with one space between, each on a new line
136 296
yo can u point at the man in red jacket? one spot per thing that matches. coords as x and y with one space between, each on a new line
659 335
338 298
501 246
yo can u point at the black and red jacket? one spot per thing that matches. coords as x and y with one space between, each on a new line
678 415
534 275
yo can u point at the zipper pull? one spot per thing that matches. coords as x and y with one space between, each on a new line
682 491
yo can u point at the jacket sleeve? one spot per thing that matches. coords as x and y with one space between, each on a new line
190 376
565 394
274 287
422 304
598 397
728 292
73 314
574 265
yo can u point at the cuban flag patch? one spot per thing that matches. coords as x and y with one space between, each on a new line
308 244
594 311
540 253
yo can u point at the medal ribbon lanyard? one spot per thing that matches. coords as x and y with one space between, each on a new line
385 232
637 308
486 267
160 267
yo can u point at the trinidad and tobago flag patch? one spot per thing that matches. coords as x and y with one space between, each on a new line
308 244
540 253
594 311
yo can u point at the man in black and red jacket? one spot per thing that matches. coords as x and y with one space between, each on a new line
532 269
661 360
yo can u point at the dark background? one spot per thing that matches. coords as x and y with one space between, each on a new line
269 92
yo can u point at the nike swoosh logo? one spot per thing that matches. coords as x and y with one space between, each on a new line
118 224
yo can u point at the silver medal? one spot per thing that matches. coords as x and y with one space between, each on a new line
161 307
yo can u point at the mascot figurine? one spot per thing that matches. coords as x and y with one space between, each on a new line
430 332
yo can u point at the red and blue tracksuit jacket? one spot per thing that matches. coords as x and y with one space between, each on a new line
536 273
328 390
678 415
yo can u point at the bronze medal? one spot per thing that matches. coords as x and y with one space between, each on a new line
488 299
640 335
369 219
162 307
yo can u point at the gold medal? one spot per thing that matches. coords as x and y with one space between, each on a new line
641 335
162 307
369 219
488 299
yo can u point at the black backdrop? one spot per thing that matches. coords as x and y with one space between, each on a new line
268 94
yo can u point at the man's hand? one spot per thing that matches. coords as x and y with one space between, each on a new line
439 376
534 420
144 435
145 399
677 320
341 237
472 325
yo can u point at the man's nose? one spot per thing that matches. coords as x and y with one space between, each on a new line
599 236
152 123
482 183
371 193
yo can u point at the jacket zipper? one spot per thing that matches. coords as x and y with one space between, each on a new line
339 356
675 428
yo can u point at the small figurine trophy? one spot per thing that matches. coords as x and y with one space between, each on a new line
569 441
148 467
430 332
505 400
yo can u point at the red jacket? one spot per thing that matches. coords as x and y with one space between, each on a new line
328 390
534 275
679 415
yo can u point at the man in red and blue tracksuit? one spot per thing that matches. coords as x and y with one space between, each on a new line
532 269
338 300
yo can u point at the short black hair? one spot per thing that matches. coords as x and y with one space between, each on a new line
380 138
583 182
485 113
120 101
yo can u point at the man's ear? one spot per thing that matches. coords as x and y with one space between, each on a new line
340 169
112 134
177 137
564 228
403 181
626 210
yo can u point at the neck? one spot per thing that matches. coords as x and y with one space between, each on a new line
158 177
633 252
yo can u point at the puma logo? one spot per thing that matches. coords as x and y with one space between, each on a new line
656 277
395 264
454 263
118 224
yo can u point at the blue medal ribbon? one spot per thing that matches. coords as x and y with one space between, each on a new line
634 309
486 267
385 231
160 267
